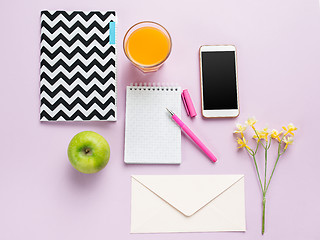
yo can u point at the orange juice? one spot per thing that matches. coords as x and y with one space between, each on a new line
148 46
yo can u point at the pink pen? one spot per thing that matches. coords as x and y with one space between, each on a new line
192 136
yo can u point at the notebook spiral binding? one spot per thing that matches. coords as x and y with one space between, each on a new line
154 86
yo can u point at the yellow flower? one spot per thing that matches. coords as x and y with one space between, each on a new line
287 141
275 134
251 121
289 129
263 134
242 143
241 129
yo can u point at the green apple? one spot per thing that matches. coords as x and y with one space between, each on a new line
88 152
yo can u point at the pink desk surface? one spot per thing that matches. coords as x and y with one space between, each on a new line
278 44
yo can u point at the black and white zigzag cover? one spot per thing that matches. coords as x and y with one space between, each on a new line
78 68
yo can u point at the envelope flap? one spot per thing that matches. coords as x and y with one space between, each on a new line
188 193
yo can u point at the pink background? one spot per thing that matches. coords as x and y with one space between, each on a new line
278 44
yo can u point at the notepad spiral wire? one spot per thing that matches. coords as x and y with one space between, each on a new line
155 86
151 137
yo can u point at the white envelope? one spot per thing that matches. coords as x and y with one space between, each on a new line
187 203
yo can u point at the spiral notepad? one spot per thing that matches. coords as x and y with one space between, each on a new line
151 137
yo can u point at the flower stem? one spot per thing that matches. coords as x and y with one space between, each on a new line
253 154
255 163
263 212
258 143
274 168
275 165
265 167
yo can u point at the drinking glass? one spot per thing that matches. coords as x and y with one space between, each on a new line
147 45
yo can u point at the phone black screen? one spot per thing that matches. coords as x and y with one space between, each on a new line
219 80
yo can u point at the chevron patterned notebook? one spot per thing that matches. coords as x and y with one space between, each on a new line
78 68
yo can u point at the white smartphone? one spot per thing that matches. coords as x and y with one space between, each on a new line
219 85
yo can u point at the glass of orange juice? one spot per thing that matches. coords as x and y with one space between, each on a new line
147 45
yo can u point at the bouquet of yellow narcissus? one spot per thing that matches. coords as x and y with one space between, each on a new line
263 137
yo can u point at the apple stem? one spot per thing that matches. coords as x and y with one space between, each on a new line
87 151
